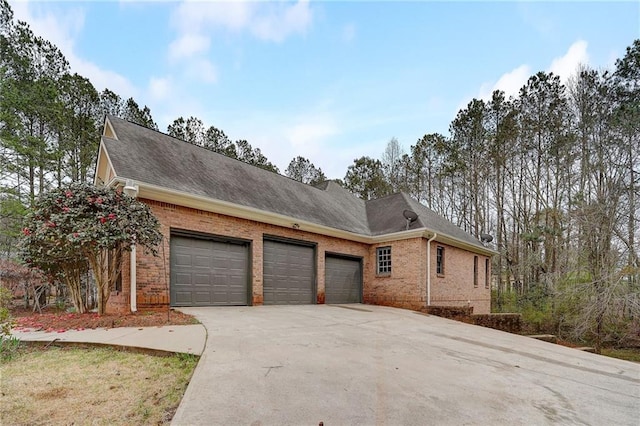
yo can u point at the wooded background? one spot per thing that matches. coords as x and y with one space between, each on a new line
552 174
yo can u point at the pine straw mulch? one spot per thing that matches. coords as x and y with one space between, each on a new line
56 321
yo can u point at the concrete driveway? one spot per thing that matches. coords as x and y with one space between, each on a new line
371 365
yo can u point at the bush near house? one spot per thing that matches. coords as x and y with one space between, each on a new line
81 227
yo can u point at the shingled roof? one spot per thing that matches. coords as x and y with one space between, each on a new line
151 157
385 217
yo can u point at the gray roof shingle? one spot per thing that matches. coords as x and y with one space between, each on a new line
385 216
156 158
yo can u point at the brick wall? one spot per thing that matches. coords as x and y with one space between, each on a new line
405 287
455 287
118 302
153 272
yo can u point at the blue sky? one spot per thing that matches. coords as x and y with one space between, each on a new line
330 80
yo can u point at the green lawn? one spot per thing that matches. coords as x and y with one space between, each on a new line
626 354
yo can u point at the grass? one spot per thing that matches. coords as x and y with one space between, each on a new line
626 354
97 386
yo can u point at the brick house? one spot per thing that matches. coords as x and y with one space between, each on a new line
235 234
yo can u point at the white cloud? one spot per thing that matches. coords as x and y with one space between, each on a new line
510 83
280 20
566 65
63 30
159 88
282 136
101 78
307 136
270 21
188 45
58 29
202 70
197 16
197 22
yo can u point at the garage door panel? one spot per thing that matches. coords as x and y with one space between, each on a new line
289 275
183 260
343 280
182 297
201 279
182 279
201 260
206 272
202 297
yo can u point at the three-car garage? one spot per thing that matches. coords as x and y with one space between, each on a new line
216 271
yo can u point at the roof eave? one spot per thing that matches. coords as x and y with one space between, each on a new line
100 175
162 194
108 129
158 193
456 242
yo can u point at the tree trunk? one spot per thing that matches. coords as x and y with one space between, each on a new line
73 283
106 266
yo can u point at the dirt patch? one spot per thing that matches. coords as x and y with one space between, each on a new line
51 394
53 321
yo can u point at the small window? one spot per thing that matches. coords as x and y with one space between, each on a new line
440 260
383 255
486 273
475 271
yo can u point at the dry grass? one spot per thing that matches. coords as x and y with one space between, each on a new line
629 354
96 386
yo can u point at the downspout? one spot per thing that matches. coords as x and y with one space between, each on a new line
132 273
132 190
429 268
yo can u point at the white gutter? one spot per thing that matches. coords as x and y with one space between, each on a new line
172 196
157 193
429 268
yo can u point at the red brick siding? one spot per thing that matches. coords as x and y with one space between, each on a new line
455 287
120 301
153 281
405 287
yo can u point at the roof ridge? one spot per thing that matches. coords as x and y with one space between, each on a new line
131 122
394 194
411 204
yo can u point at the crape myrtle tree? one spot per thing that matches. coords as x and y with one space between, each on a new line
80 226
